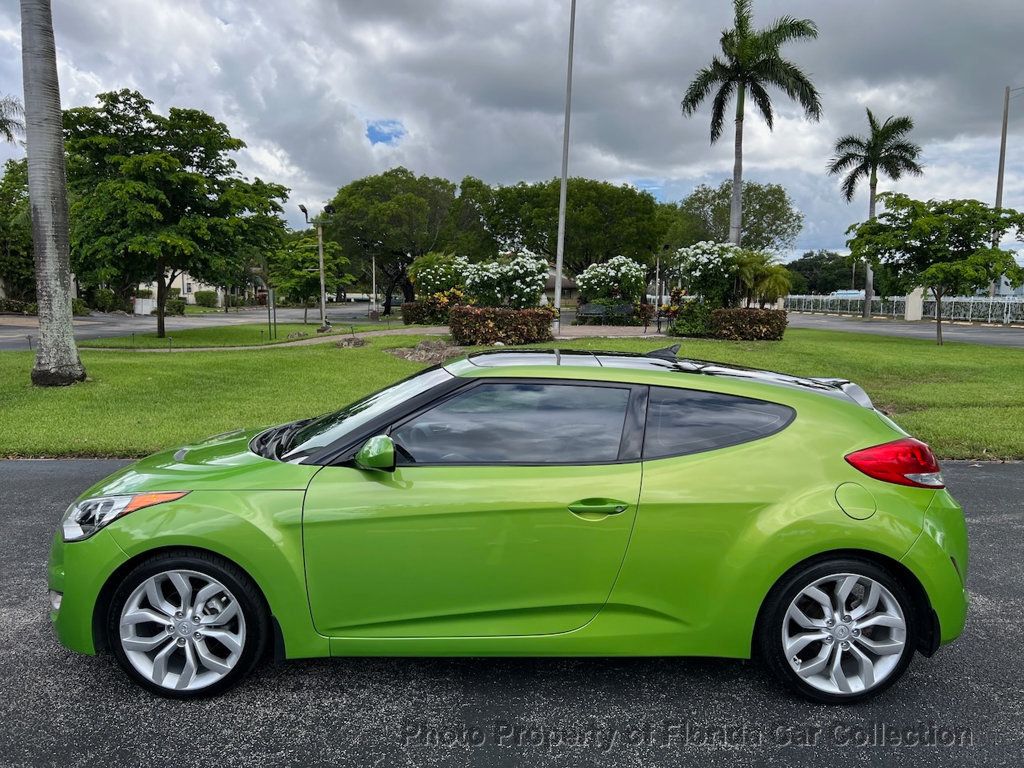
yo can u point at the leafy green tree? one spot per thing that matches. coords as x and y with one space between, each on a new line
943 246
294 268
392 217
602 220
56 362
155 196
885 149
11 114
771 221
16 267
679 228
470 221
826 271
751 61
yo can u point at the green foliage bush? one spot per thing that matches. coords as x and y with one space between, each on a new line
174 306
490 325
143 293
432 309
206 298
18 307
78 307
748 324
690 318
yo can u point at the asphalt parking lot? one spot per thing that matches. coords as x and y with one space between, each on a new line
962 707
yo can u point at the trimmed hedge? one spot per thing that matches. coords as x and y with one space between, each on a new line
206 298
748 324
414 312
691 318
490 325
21 307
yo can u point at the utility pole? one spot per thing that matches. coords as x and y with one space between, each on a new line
1002 148
560 248
1002 167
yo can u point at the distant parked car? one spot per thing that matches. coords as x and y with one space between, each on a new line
530 504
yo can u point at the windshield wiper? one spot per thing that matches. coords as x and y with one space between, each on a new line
281 440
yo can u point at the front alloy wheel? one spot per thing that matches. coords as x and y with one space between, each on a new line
838 631
186 626
182 630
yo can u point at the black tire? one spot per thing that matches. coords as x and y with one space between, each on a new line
769 640
250 601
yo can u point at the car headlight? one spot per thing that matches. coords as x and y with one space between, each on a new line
85 517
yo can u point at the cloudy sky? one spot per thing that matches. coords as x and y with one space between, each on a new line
325 91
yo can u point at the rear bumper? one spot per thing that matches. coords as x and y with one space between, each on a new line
939 560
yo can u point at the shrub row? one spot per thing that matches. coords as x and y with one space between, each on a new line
414 313
206 298
748 324
78 307
489 325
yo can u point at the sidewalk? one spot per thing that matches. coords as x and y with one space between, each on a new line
567 332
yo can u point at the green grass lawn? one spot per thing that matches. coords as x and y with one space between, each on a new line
248 334
966 400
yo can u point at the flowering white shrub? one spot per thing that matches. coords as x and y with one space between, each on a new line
438 273
515 280
618 278
707 269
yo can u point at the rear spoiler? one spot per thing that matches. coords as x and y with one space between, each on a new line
853 391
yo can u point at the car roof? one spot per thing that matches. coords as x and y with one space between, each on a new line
661 363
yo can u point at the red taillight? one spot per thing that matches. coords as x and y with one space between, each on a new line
907 462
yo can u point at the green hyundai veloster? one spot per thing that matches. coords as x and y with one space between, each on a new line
530 503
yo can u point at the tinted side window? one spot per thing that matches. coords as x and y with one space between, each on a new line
511 423
681 421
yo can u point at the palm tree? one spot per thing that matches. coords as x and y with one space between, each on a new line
751 62
11 113
57 362
886 149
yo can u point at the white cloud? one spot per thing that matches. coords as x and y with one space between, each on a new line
477 86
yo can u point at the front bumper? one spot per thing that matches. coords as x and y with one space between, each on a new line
78 570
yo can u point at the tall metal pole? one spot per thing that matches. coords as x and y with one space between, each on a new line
1002 148
323 287
560 248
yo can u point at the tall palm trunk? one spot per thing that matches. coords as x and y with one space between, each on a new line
57 362
869 273
736 209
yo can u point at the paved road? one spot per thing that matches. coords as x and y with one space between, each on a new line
14 328
994 335
66 710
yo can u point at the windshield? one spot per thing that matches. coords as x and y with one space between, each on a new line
330 428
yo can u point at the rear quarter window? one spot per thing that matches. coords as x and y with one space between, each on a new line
684 421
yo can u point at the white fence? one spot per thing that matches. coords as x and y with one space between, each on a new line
1003 310
979 309
894 306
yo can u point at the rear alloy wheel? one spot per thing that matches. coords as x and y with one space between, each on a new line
839 631
186 627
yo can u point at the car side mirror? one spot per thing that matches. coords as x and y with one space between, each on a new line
377 454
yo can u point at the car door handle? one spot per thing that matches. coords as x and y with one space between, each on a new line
597 509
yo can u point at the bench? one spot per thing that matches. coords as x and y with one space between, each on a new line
602 311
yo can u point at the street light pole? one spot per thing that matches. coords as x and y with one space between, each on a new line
1002 147
320 252
323 286
560 248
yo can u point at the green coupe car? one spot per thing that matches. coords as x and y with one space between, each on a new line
530 503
